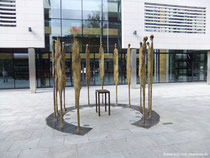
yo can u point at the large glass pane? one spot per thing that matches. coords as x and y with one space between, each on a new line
69 73
6 71
111 35
91 35
92 9
43 71
52 31
109 70
71 9
55 27
69 29
21 70
111 10
54 8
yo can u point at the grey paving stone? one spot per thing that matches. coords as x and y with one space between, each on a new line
75 139
24 144
34 153
107 155
24 133
51 141
13 154
63 152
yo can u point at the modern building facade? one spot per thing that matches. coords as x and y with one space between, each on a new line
28 27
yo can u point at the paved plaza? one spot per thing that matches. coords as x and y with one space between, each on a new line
183 130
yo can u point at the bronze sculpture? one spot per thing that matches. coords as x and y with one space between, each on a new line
150 75
76 67
87 54
53 77
128 67
56 76
140 55
101 66
60 85
143 73
64 73
116 73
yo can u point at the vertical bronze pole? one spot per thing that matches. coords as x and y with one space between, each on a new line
150 75
101 66
64 74
140 56
53 77
116 73
128 67
76 66
87 54
149 78
88 95
59 74
143 73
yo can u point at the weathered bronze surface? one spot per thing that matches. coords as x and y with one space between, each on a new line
53 77
56 76
76 67
60 85
128 68
87 54
63 61
143 73
101 66
116 73
139 73
150 75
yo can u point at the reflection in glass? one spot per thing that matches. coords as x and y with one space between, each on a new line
6 71
71 9
71 27
111 10
21 70
92 9
54 8
91 35
111 35
43 70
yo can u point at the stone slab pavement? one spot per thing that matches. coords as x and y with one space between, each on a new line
183 130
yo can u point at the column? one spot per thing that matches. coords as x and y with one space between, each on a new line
133 68
208 68
32 69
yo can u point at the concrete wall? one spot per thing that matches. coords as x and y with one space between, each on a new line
29 13
133 20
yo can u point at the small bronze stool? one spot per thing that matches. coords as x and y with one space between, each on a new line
97 93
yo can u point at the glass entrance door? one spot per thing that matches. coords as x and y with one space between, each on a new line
21 70
199 67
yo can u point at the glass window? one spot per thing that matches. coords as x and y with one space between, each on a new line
52 31
55 28
6 71
92 9
92 35
111 10
71 9
54 8
69 29
21 70
111 35
43 69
